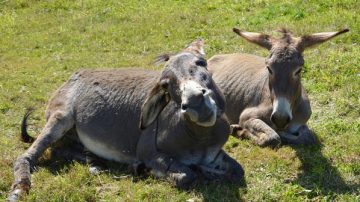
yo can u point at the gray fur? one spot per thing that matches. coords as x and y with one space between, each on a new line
105 107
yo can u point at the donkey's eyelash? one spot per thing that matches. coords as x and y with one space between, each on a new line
298 71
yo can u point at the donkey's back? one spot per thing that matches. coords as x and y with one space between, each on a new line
104 105
241 77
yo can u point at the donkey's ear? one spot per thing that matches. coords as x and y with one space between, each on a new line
263 40
317 38
162 58
156 101
196 47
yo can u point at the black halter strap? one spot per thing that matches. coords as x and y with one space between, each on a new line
156 133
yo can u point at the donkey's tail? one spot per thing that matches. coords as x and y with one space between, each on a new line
25 137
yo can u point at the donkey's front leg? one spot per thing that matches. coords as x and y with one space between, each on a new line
54 129
304 136
180 174
261 133
223 167
253 127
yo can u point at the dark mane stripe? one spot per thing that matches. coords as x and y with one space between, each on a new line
162 58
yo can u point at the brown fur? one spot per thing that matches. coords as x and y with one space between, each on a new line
253 85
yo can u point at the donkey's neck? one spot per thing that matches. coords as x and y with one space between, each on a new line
196 132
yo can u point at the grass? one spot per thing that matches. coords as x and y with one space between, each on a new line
43 42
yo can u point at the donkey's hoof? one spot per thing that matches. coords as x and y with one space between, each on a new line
95 170
236 176
18 190
183 180
15 195
234 128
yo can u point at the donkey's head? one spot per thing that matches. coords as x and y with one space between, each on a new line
284 65
185 80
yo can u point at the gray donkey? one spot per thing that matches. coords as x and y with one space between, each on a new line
265 99
180 111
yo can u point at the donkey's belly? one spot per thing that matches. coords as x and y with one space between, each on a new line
105 150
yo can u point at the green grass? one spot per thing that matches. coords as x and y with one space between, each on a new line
43 42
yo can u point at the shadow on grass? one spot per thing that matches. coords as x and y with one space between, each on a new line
220 191
318 175
62 158
213 190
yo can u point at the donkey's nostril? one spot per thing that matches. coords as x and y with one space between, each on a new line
203 91
288 120
184 106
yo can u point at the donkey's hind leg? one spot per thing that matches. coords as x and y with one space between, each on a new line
77 152
56 126
96 164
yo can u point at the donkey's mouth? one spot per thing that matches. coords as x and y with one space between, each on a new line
206 119
206 116
203 114
209 121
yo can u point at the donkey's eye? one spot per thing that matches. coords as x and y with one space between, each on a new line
201 63
270 71
164 83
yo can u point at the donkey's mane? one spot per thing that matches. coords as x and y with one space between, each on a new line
162 58
287 35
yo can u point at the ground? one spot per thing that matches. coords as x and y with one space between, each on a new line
43 42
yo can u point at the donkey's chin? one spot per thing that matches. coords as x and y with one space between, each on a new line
209 122
193 116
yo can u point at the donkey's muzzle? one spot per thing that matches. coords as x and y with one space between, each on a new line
280 120
282 113
201 110
197 104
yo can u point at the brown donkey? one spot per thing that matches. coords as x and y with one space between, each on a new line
265 99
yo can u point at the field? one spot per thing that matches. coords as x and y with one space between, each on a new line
43 42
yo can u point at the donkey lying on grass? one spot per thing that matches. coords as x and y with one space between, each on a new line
182 123
265 99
